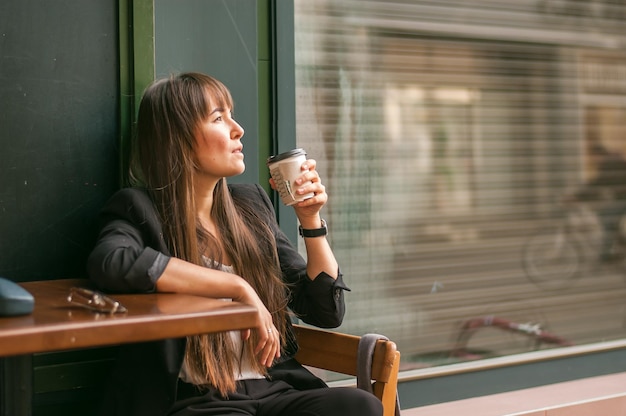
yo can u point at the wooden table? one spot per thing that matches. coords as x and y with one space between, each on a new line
56 325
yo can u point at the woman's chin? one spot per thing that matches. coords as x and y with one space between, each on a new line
241 170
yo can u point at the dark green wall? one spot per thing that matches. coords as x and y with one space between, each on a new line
218 38
58 132
60 98
248 45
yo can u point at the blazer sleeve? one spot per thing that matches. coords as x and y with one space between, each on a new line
130 253
318 301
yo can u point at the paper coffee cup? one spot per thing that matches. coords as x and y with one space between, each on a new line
285 168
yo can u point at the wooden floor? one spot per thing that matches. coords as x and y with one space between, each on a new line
595 396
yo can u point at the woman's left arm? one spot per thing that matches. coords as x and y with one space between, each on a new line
320 257
316 286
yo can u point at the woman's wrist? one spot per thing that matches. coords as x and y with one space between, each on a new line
242 290
311 223
314 232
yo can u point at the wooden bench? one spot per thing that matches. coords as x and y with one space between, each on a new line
69 383
338 352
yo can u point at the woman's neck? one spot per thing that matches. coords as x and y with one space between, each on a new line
204 188
204 206
204 200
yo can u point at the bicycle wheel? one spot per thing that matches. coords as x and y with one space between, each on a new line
552 260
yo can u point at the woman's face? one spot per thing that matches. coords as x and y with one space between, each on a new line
218 147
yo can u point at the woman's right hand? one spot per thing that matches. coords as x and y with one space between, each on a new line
268 347
183 277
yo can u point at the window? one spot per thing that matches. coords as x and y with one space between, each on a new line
447 134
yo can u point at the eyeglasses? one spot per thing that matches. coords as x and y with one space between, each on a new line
95 301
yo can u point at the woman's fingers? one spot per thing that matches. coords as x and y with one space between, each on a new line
268 347
310 182
309 173
245 334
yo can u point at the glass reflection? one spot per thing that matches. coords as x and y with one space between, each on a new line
451 139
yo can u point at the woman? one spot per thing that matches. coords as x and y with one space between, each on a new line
184 230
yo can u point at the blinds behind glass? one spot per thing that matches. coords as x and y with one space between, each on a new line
446 133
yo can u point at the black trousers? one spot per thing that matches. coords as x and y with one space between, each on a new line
277 398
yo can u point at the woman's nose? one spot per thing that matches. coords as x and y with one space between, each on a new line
237 131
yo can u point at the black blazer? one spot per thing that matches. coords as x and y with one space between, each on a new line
130 256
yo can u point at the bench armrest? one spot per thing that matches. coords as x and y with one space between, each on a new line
337 352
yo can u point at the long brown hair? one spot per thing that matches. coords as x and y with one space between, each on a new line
163 161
